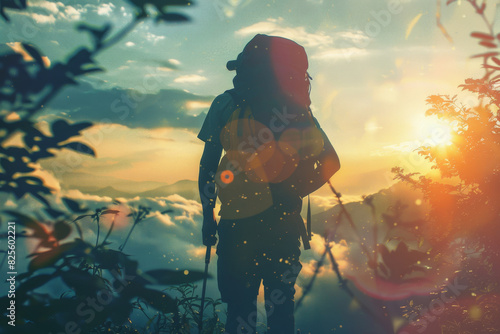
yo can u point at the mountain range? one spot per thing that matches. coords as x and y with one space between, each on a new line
185 188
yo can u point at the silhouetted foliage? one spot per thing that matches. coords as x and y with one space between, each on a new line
103 285
463 219
11 4
464 199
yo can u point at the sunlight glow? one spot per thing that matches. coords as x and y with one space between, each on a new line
435 132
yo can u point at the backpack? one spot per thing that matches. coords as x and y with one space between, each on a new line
269 150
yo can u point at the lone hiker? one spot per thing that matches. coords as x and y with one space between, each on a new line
275 154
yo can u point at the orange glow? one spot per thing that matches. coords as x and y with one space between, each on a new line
227 176
435 132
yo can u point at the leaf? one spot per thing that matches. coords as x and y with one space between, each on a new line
16 152
39 230
109 258
172 17
34 283
98 34
7 166
91 70
61 230
496 60
24 275
45 259
80 147
76 63
481 35
159 300
82 282
19 4
169 277
62 130
81 126
481 9
33 52
178 2
73 205
108 211
54 213
487 44
121 310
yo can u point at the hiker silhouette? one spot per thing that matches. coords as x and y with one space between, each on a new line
275 154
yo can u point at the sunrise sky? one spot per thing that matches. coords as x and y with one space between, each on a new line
373 64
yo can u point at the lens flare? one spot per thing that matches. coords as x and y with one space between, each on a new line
227 176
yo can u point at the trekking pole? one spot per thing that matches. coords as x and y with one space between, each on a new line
204 290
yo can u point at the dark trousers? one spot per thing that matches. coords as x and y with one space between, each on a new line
261 249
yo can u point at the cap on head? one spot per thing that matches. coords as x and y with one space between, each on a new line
232 65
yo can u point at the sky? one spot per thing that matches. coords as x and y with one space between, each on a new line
373 64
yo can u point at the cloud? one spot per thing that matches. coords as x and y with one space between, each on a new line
105 9
327 46
197 105
276 27
43 19
129 44
49 12
71 14
174 61
339 53
49 6
153 38
190 78
189 208
354 36
166 108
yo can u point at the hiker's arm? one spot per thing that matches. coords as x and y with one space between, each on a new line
328 163
208 194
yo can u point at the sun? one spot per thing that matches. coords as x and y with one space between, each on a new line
434 131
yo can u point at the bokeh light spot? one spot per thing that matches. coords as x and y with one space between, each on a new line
227 176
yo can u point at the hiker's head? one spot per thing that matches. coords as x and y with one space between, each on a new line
270 65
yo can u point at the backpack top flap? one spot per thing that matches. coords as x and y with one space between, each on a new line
272 64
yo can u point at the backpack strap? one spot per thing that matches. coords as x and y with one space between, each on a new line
309 232
306 234
303 234
238 103
235 96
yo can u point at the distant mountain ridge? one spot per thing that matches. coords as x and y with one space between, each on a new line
361 213
90 183
185 188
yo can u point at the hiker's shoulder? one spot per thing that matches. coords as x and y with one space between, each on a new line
223 101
